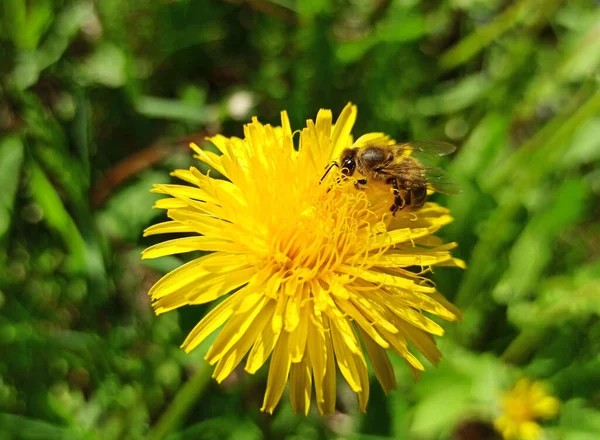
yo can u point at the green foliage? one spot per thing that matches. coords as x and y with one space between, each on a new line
97 100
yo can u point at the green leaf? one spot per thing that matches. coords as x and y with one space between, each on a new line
57 217
585 147
402 27
14 13
107 66
465 93
578 421
67 24
533 249
26 428
172 109
129 211
11 158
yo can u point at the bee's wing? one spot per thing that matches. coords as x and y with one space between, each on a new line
428 148
439 181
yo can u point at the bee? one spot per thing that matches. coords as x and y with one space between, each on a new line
402 167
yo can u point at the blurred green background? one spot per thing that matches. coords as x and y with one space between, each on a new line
98 100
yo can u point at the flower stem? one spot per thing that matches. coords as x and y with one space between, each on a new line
522 346
181 404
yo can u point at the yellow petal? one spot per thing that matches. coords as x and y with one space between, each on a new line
278 374
182 278
413 258
324 122
227 193
317 349
341 131
388 280
169 227
190 244
220 142
415 318
186 175
209 158
363 374
285 124
277 321
201 223
345 361
380 361
236 353
170 203
292 313
546 407
429 302
184 192
326 389
323 125
348 308
262 349
372 310
238 327
286 134
300 387
212 321
299 335
530 431
422 341
371 139
217 285
190 272
344 327
399 345
404 235
452 313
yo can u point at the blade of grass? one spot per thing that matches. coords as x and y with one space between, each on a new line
181 404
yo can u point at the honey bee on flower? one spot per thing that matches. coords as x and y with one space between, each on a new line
398 166
319 273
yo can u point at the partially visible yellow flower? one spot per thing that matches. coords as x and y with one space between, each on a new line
313 274
522 406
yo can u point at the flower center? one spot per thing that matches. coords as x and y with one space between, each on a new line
330 227
520 410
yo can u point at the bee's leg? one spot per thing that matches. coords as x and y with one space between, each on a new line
399 202
360 182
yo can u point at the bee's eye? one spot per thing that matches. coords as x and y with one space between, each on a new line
348 166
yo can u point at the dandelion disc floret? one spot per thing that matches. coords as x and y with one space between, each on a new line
322 275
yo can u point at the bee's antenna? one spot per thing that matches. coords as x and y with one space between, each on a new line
334 164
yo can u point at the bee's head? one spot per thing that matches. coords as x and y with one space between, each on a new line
348 161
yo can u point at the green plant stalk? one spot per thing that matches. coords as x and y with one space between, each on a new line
15 14
483 36
522 346
469 46
181 403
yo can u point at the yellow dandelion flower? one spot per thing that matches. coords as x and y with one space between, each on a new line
522 406
314 274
